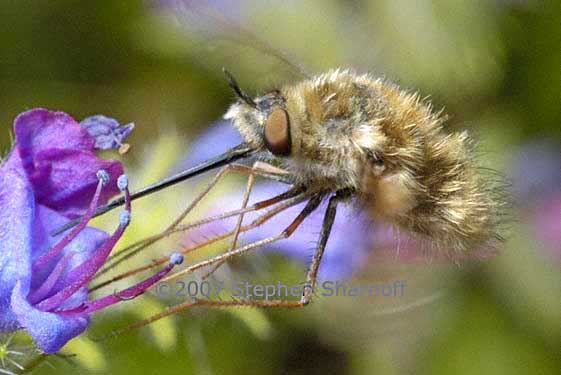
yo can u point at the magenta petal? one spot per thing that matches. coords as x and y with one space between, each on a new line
58 157
40 129
68 179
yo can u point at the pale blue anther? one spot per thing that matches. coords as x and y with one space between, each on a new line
103 176
125 218
176 258
123 182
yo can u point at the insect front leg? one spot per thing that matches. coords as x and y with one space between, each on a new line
249 187
264 169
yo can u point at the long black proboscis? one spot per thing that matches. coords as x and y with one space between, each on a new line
239 152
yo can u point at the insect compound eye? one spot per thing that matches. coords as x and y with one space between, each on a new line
277 132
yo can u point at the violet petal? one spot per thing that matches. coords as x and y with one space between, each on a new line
16 218
58 157
49 175
84 246
68 180
50 331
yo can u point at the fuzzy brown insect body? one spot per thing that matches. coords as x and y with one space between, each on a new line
343 131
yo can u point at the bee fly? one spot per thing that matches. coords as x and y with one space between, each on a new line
341 137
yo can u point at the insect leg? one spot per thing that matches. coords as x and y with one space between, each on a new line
311 276
133 249
257 222
313 203
249 187
123 254
230 168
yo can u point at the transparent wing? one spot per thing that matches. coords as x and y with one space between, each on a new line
217 32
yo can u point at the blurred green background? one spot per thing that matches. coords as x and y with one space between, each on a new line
495 66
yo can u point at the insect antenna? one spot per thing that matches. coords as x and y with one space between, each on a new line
239 92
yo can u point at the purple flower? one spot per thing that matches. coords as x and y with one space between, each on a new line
535 171
51 175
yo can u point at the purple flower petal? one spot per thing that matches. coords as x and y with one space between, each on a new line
16 218
348 247
106 131
58 156
68 179
41 129
86 243
24 228
49 330
535 171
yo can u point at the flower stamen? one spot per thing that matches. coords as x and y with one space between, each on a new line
83 273
54 276
45 258
127 294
